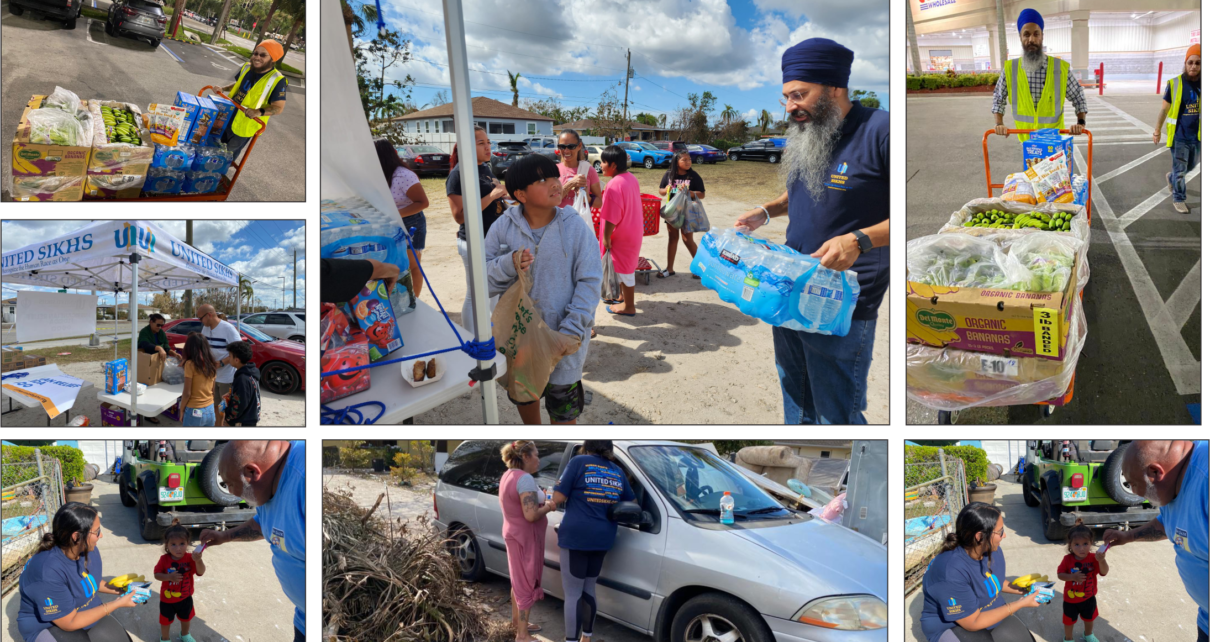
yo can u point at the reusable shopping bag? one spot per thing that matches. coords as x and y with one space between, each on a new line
532 349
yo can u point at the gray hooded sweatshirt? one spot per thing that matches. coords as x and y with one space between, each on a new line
566 274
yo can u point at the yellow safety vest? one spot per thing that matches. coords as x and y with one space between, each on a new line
1048 112
1175 89
256 98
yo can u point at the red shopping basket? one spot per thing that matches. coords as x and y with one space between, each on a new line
651 215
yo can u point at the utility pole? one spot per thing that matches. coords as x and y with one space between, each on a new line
626 99
295 278
283 293
187 313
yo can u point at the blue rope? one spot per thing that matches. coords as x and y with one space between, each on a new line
344 416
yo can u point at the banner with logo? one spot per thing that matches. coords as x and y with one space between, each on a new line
98 257
55 391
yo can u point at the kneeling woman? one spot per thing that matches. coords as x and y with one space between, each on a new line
61 583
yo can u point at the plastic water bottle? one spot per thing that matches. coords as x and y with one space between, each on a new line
726 509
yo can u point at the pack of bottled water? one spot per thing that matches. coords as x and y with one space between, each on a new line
775 283
351 228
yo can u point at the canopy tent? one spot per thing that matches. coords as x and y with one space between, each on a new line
118 256
349 165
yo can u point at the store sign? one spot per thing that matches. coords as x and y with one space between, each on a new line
935 4
1195 37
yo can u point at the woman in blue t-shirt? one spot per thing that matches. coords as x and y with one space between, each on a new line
61 582
963 586
591 484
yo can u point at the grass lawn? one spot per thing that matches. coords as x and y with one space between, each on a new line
205 36
80 354
96 14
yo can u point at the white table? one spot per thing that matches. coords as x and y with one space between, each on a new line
423 330
30 402
152 402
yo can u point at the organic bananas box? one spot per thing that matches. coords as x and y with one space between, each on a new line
121 142
1004 322
42 159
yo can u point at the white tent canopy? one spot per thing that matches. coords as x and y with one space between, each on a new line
118 256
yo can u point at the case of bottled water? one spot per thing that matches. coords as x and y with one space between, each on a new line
351 228
775 283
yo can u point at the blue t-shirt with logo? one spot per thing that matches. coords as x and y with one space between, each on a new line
1189 112
52 586
858 196
956 586
591 484
283 522
1186 521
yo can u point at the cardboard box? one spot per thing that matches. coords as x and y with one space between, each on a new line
112 415
971 377
189 103
1003 322
176 412
1044 143
34 361
63 189
118 158
35 159
100 187
225 112
115 376
151 368
207 112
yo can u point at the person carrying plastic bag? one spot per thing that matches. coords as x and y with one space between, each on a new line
679 178
581 185
622 223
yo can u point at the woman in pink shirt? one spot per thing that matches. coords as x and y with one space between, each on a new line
576 173
525 507
622 214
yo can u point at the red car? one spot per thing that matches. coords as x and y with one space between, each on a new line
282 363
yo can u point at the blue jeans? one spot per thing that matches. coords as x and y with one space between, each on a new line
823 378
417 227
206 418
1184 156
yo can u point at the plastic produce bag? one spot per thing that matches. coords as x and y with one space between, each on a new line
1079 219
775 283
1050 259
695 216
584 209
673 211
64 100
50 126
174 371
1018 189
958 260
47 188
531 348
611 285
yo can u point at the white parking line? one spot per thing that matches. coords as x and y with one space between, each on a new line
88 32
1127 117
1186 296
1139 210
1184 369
1129 166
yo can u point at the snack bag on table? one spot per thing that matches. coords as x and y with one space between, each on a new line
372 310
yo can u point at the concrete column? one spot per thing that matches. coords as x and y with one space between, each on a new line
993 46
1079 44
1002 44
911 38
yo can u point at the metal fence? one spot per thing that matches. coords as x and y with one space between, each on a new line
32 494
934 493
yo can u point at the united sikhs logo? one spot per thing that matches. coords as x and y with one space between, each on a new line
131 235
953 602
842 168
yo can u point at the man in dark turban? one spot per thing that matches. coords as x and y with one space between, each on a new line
1034 85
836 164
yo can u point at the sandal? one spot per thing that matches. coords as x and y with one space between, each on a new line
535 628
663 274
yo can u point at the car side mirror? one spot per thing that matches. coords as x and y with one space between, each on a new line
627 513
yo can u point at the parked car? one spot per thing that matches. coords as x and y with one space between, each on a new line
594 155
646 154
676 572
504 153
766 150
424 159
291 326
705 154
542 142
138 18
282 363
64 12
670 146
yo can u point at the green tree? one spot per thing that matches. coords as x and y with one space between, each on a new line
764 121
646 119
552 108
728 114
512 81
374 61
663 120
357 16
262 25
245 289
298 11
866 98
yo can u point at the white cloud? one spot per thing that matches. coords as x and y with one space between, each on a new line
635 87
207 235
18 234
296 237
750 116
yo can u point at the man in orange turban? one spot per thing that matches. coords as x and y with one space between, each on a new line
260 89
1180 124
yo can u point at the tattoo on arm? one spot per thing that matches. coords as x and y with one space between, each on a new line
529 502
249 531
1152 532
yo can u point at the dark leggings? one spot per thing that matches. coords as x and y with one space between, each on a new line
106 629
580 570
1010 629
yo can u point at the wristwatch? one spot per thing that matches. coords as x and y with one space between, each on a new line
863 241
1080 121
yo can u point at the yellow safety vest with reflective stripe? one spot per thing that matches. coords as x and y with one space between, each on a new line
256 98
1048 112
1175 89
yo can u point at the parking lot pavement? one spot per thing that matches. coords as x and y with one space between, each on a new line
238 599
1141 361
1142 598
95 65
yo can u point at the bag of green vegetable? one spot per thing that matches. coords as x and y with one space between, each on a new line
958 260
64 100
997 219
1050 259
51 126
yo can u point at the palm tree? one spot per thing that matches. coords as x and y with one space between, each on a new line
729 114
245 289
297 9
357 16
663 120
512 80
264 24
764 121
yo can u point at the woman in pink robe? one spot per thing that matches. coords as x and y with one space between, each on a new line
525 507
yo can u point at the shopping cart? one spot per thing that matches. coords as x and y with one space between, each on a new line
651 227
1046 408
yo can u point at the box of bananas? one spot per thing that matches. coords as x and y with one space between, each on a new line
121 142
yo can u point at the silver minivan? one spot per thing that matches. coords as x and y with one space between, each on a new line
677 573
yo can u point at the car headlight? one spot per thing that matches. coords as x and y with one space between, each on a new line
845 613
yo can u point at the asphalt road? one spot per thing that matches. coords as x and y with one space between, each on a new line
1139 365
95 65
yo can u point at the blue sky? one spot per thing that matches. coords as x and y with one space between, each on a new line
574 50
262 250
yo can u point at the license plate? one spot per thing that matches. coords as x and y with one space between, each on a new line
1075 494
172 494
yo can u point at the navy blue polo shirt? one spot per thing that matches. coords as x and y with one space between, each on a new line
858 195
956 586
1189 111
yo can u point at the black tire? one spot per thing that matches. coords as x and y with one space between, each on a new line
212 483
299 338
724 614
775 158
945 418
150 530
109 28
124 492
465 549
649 162
155 44
15 10
699 160
1054 529
1028 490
70 23
597 166
280 378
733 157
1111 479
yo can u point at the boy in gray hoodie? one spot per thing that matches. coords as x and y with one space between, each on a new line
565 263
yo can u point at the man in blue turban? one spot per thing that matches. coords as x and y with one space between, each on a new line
1034 85
836 164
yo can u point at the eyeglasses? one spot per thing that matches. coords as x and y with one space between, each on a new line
96 532
569 147
999 533
792 97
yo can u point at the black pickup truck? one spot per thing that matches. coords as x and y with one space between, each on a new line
506 152
64 11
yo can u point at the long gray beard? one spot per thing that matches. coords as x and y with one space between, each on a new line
1033 60
808 152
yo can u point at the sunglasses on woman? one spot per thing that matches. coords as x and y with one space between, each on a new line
569 147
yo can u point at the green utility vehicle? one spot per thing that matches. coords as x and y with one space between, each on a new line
1081 479
178 479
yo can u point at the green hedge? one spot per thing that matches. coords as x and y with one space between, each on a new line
942 81
71 461
974 459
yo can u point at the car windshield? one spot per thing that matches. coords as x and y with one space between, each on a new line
256 334
708 148
426 149
696 148
695 479
513 146
647 146
149 7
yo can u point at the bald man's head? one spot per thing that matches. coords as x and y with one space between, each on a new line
1154 468
250 468
206 314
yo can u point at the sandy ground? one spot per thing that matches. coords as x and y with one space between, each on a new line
275 410
687 358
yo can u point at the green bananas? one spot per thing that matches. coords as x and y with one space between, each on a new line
121 126
1060 222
